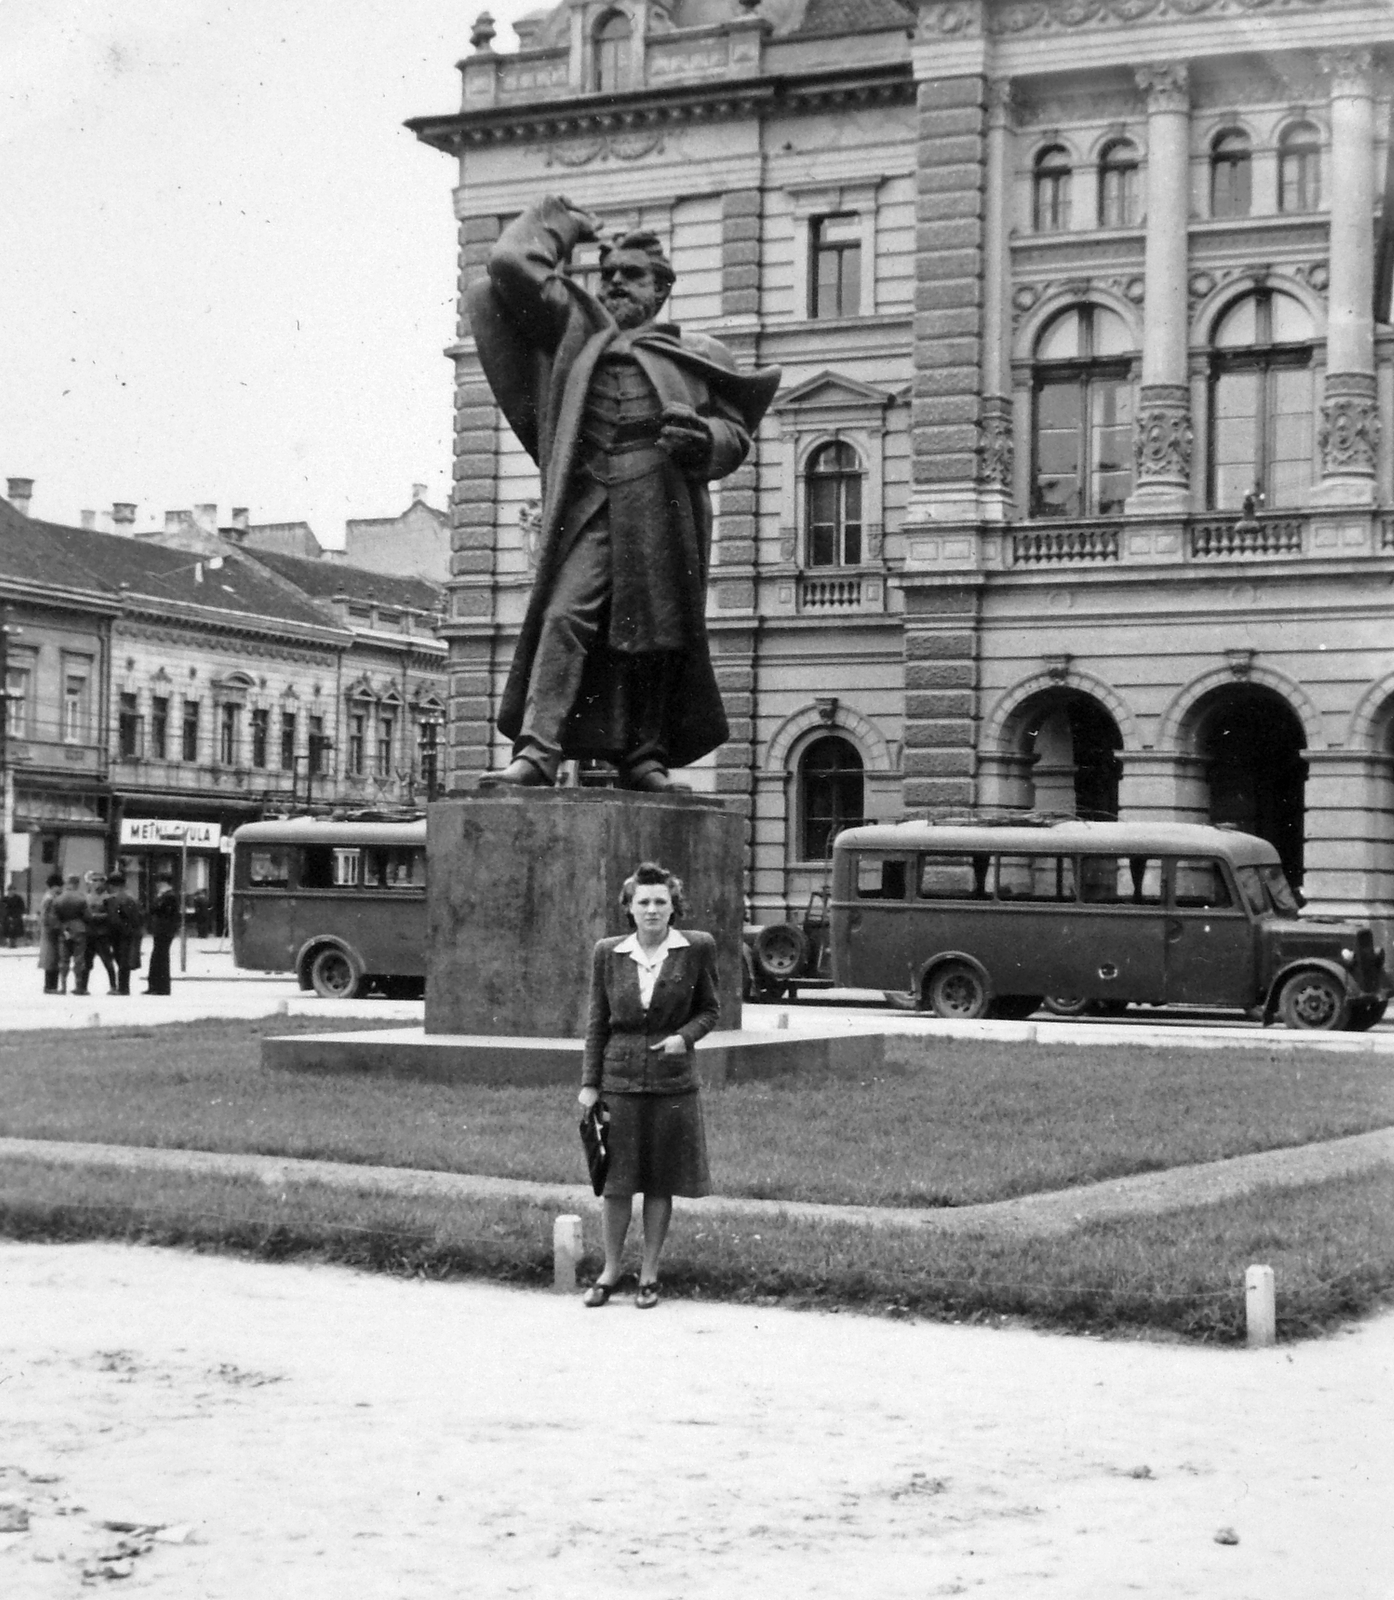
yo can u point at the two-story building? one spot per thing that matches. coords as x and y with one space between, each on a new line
157 683
1079 493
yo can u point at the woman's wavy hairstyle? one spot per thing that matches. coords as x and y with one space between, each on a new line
649 872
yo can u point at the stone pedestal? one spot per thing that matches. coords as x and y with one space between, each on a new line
523 882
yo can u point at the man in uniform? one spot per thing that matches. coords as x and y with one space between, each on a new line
628 419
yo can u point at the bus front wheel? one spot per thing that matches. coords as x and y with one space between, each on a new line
955 990
1313 1000
334 974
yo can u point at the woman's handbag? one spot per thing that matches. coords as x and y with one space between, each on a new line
595 1135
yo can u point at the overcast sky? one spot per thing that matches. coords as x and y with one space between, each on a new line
228 271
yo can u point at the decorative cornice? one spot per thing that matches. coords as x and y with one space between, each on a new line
1055 16
630 125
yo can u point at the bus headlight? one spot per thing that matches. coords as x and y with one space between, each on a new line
1348 956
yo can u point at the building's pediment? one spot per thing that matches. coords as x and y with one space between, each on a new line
834 391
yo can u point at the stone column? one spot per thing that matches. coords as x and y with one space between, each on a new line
996 469
1349 430
1164 411
469 628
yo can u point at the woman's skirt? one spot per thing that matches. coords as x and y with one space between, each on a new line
658 1145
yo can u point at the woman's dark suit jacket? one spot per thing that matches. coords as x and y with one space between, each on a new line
620 1058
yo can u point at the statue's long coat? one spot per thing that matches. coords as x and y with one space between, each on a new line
539 337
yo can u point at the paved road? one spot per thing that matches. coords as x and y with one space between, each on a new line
213 987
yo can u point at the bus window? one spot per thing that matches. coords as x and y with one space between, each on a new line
268 868
1035 878
317 867
394 869
1121 880
953 877
346 868
1201 886
880 879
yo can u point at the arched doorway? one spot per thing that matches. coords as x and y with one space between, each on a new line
1251 741
1072 744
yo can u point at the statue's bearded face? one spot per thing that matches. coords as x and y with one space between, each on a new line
629 290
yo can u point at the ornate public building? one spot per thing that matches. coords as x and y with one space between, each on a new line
1079 493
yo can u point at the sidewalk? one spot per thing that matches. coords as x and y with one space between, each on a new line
1037 1215
312 1432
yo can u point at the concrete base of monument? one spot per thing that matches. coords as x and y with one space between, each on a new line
523 882
501 1060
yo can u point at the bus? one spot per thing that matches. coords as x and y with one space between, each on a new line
342 905
973 920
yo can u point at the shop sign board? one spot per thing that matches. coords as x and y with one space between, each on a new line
170 831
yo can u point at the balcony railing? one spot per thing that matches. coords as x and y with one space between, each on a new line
1050 547
1216 539
822 596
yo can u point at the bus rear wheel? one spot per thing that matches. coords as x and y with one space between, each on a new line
1313 1000
955 990
334 975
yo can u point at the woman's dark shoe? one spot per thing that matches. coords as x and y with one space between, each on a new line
647 1297
598 1294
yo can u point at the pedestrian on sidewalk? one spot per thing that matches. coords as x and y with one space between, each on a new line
49 932
99 931
653 996
165 917
13 910
127 925
71 910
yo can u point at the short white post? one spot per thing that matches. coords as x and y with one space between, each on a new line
567 1245
1260 1313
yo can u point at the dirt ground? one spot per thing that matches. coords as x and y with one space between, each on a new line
306 1432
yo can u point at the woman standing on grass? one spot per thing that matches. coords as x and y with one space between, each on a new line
653 996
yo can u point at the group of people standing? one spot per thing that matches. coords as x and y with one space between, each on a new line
84 922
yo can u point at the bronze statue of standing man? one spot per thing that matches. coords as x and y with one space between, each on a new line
628 419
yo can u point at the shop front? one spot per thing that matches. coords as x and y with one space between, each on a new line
190 854
57 828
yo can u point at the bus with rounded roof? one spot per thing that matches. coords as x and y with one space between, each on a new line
980 919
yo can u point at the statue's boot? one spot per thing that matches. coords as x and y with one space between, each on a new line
651 777
527 770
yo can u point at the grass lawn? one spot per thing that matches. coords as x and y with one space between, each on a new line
1331 1245
951 1123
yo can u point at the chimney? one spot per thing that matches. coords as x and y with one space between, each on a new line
175 520
418 492
206 519
123 517
19 492
241 518
89 521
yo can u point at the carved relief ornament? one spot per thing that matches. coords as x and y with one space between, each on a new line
1349 432
1164 434
996 449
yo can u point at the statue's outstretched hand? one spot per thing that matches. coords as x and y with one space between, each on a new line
686 437
590 223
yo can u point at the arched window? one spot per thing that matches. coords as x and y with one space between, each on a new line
834 498
1261 402
1231 174
1082 434
1299 168
1051 190
831 795
1118 185
612 53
